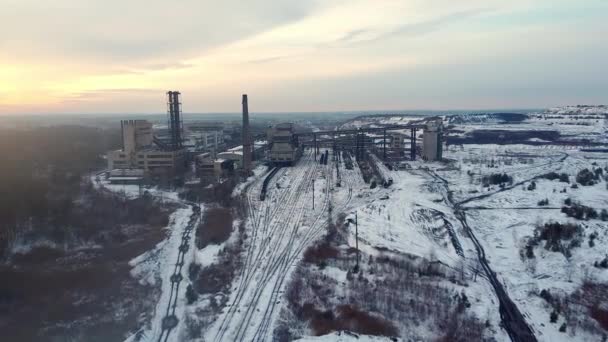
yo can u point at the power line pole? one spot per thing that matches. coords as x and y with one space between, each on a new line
313 194
357 241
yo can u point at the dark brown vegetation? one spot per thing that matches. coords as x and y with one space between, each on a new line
40 176
558 237
496 178
215 227
390 295
64 246
218 276
579 211
220 193
212 283
585 309
71 293
563 177
318 254
587 177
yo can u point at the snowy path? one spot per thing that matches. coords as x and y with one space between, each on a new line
164 263
279 230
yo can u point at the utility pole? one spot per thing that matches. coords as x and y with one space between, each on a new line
357 241
313 194
384 145
314 136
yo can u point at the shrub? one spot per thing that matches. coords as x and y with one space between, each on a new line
563 177
554 316
191 295
546 295
604 215
529 251
543 202
496 178
318 254
601 316
580 212
532 186
555 234
586 177
215 227
562 328
602 264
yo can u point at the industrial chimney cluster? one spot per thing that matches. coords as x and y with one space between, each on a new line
157 152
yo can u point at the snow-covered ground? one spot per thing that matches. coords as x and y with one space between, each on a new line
416 216
344 336
504 220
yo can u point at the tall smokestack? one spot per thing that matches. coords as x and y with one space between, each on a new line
246 139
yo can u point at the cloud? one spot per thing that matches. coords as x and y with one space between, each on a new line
351 35
129 32
434 24
119 55
267 59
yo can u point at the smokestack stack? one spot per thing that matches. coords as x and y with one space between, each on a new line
246 139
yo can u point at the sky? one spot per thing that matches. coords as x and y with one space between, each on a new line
110 56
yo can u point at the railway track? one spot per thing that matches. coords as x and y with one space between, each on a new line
264 229
281 226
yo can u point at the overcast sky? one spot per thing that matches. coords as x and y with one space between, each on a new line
110 56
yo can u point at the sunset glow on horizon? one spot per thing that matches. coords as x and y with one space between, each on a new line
70 56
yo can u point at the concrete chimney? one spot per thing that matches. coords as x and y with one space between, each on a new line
246 139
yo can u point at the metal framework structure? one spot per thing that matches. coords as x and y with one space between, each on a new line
174 120
360 141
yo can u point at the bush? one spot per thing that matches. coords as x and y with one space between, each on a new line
563 177
318 254
602 264
562 328
191 295
215 227
546 295
554 316
555 234
543 202
586 177
580 212
604 215
496 178
529 251
532 186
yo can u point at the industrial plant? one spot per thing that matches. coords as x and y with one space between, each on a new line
152 152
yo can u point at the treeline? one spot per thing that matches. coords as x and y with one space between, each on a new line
41 173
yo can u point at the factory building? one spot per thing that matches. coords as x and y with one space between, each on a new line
236 154
432 149
142 150
284 147
139 151
206 137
